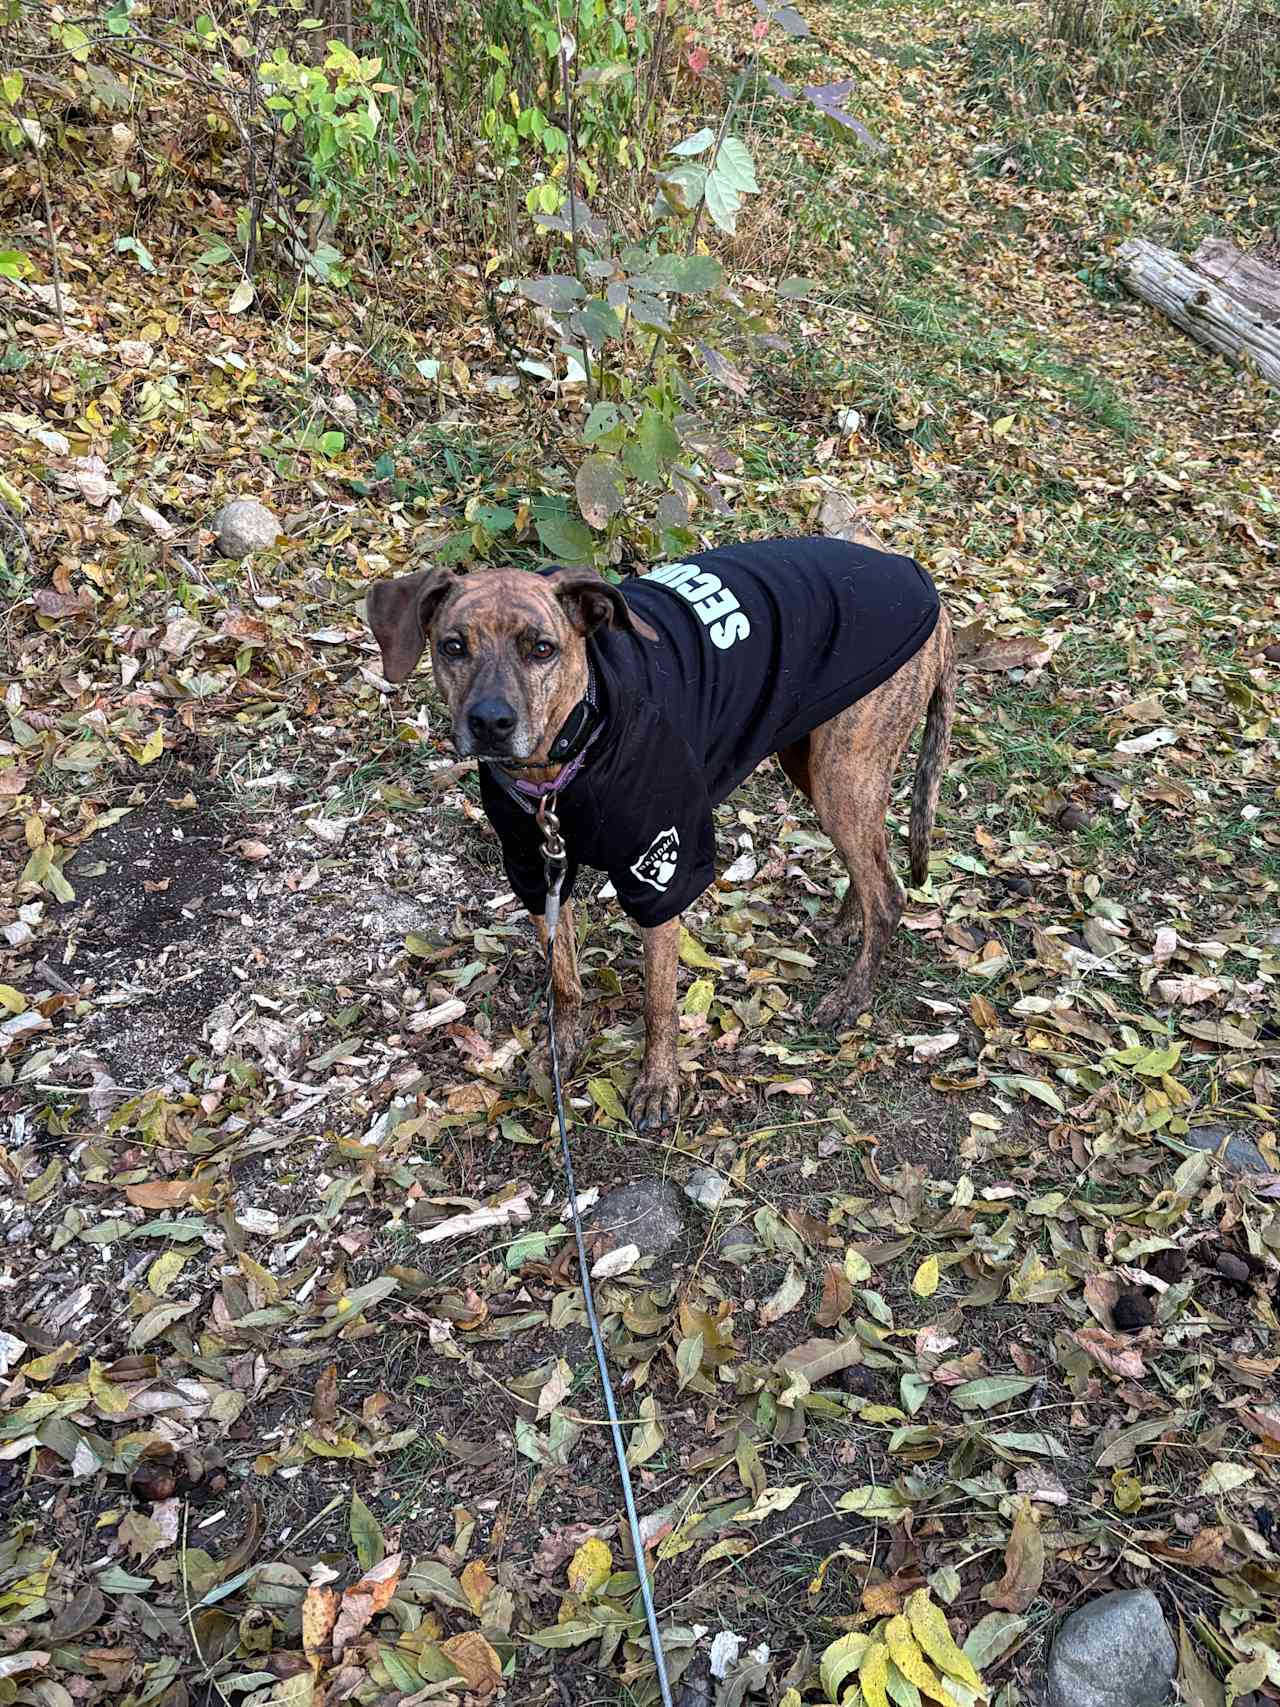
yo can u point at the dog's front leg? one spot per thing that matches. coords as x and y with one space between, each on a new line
567 988
655 1101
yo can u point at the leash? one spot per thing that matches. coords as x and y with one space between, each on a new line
555 858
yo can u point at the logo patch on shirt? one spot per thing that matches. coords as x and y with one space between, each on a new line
715 605
657 864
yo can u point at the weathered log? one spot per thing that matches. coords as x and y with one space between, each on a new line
1252 281
1243 327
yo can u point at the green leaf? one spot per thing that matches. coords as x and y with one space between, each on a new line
131 246
1035 1440
1041 1089
602 421
1123 1449
684 186
566 539
597 322
688 1360
599 489
697 273
732 177
990 1390
872 1501
14 264
992 1637
573 1633
605 1093
735 166
698 143
840 1661
554 292
366 1534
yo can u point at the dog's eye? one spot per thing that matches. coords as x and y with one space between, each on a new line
453 647
542 650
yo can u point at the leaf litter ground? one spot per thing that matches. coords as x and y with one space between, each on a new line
962 1302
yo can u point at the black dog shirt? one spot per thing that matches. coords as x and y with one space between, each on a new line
757 645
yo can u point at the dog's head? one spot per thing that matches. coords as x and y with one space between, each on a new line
508 649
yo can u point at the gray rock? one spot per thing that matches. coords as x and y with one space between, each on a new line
707 1187
648 1213
1114 1652
1241 1154
245 525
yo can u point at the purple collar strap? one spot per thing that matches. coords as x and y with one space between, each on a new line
525 792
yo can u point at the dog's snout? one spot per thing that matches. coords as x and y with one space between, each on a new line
492 721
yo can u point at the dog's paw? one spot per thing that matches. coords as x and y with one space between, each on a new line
841 1009
655 1101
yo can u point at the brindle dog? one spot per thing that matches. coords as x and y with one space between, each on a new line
509 654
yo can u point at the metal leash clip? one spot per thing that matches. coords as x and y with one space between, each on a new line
555 857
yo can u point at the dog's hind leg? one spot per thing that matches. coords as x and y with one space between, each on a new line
851 797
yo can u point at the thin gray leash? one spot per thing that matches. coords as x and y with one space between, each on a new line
555 858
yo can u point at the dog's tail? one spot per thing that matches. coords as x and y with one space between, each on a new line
934 747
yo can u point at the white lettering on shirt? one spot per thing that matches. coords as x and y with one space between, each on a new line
657 864
714 605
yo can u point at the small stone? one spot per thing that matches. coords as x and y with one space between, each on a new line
1232 1268
1132 1310
1114 1652
739 1244
647 1213
1242 1155
707 1187
1074 818
1272 653
1169 1266
244 526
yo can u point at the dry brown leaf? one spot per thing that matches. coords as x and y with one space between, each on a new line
837 1296
1118 1355
479 1665
1023 1564
162 1193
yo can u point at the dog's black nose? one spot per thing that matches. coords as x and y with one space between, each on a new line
492 721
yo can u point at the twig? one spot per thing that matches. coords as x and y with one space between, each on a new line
566 89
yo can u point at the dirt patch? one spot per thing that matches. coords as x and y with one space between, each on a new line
187 911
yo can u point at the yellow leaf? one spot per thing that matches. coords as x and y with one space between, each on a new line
873 1674
319 1612
152 747
693 953
1002 426
929 1627
12 999
477 1584
111 1400
925 1284
906 1655
590 1568
1126 1490
33 829
164 1271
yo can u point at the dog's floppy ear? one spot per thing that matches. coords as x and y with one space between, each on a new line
400 611
590 602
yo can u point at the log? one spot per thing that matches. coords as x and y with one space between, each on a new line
1236 311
